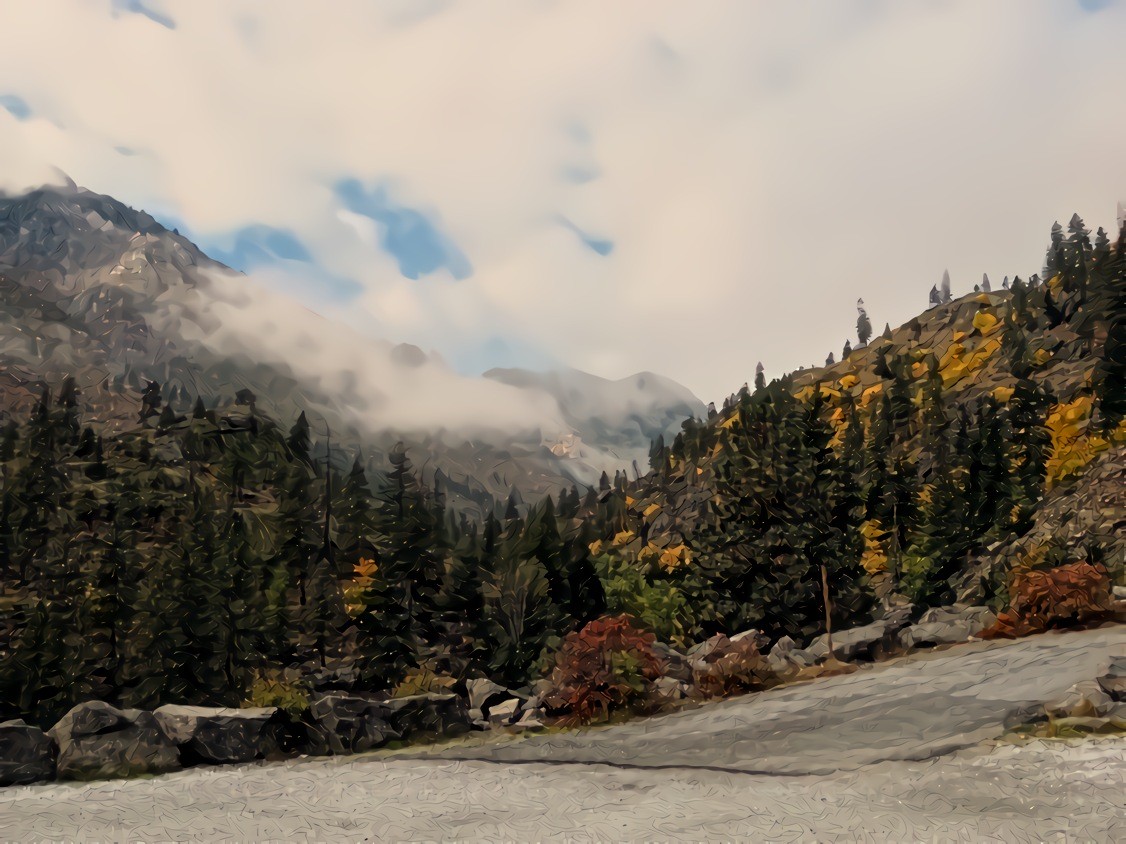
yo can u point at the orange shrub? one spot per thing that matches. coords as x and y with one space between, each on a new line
1059 597
608 664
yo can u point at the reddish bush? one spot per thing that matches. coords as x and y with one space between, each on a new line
608 665
1059 597
724 667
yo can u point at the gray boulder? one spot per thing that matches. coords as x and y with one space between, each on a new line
781 657
27 754
216 734
530 719
345 722
677 665
429 714
946 626
848 645
504 713
484 695
760 639
99 741
1083 700
1113 683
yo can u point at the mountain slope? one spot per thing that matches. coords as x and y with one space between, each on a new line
984 435
100 292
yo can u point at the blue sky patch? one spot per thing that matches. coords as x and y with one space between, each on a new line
254 246
601 246
409 236
16 105
138 7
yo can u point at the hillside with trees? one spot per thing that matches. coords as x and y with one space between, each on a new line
209 557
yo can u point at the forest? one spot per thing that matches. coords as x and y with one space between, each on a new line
216 556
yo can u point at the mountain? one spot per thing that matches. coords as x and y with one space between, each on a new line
97 291
623 417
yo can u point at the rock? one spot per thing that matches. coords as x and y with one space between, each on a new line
896 616
677 664
1065 726
781 658
670 688
530 719
851 644
484 692
757 636
534 702
946 626
349 723
430 714
27 754
504 713
216 734
1113 683
99 741
1083 700
1025 717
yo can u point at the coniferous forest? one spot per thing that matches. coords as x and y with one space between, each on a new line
216 556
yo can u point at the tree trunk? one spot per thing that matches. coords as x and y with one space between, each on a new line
828 610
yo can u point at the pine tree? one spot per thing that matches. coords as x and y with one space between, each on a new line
760 378
863 324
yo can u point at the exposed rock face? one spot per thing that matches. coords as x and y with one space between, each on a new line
1087 512
429 714
27 754
216 734
99 741
349 723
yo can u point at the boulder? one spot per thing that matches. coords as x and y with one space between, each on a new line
670 688
27 754
946 626
345 722
484 692
677 664
504 713
848 645
781 658
1113 683
99 741
760 639
429 714
216 734
1083 700
530 719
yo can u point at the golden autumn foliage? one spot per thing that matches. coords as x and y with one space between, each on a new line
674 557
1073 444
874 559
363 575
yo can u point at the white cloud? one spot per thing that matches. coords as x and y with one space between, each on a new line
759 166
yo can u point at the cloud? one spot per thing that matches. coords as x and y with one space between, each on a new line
686 188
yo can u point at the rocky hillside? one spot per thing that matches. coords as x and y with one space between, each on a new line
982 437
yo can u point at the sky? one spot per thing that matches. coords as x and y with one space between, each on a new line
686 188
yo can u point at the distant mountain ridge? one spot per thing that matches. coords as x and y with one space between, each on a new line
93 289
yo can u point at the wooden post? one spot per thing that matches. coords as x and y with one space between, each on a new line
828 610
